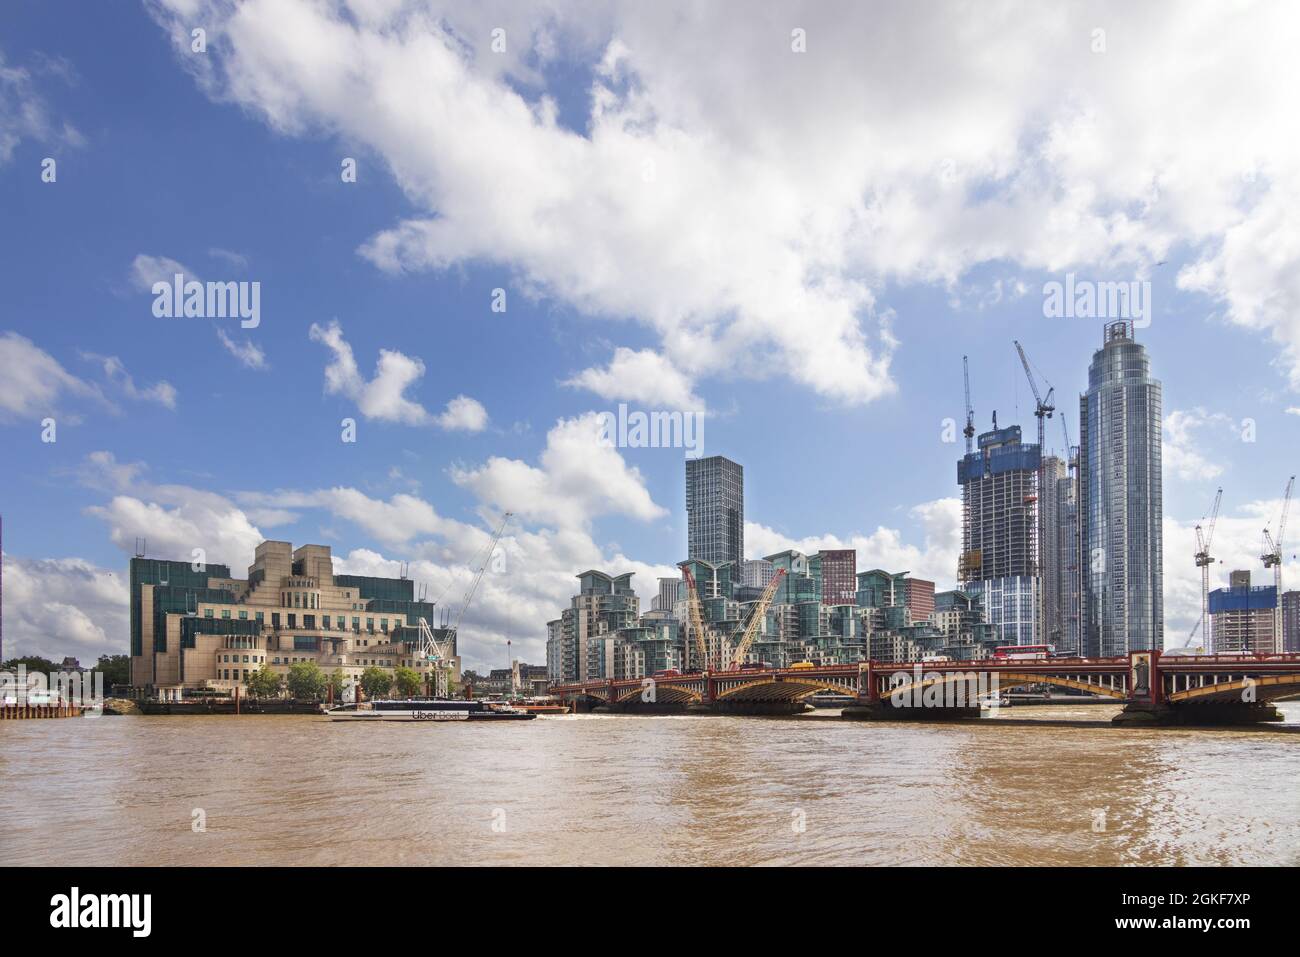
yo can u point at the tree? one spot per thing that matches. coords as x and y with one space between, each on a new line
408 681
34 663
376 682
263 683
116 669
306 680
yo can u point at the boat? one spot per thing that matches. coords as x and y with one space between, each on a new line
829 699
539 705
427 709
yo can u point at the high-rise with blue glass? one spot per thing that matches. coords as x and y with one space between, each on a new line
1120 502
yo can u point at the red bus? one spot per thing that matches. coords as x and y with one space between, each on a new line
1024 652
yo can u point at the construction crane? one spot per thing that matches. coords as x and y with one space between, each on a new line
1204 561
756 616
440 653
697 620
1043 410
1192 634
1272 558
969 431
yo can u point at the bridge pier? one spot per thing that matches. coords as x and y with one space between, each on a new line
1205 715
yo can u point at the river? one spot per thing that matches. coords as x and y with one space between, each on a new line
607 789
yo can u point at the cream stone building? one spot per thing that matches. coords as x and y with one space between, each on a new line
193 626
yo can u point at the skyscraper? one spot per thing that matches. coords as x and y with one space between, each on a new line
1059 561
999 484
715 510
1120 499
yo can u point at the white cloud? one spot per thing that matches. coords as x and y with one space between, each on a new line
1237 544
384 396
727 194
24 113
147 270
935 559
249 354
643 376
579 479
64 606
176 519
1185 446
32 382
162 392
464 414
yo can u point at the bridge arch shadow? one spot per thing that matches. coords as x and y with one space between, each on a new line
789 688
1006 680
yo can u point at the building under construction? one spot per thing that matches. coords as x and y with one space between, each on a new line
999 482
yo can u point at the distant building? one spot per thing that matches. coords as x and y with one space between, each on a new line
836 572
666 600
1241 616
1120 500
715 510
756 572
580 643
1291 622
999 483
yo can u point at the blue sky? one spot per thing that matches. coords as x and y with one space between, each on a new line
808 261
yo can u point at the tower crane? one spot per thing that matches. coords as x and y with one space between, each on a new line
756 616
440 653
969 431
697 620
1043 410
1272 558
1203 562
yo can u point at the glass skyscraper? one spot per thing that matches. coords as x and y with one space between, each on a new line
715 510
1120 504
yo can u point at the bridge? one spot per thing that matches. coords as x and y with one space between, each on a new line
1154 688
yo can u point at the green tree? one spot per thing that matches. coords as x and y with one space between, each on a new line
116 669
263 683
306 680
408 681
376 682
33 662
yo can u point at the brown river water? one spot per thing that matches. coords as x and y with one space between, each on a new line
608 789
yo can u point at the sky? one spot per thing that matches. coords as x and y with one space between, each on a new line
792 224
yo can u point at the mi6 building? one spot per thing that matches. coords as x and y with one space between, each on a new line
196 627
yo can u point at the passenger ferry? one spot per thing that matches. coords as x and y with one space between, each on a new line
427 709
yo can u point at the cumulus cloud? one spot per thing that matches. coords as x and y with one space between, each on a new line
383 397
725 192
64 606
1237 545
934 559
33 382
578 479
464 414
175 519
1185 443
643 376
